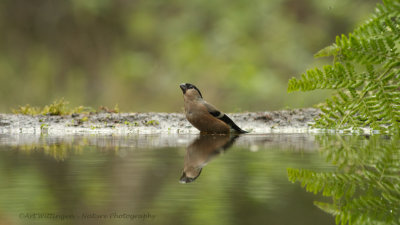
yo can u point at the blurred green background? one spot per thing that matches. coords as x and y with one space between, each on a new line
135 53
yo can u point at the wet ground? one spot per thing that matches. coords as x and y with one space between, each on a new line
285 121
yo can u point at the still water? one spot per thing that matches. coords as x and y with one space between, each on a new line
188 179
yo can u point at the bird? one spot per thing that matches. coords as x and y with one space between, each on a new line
203 115
201 151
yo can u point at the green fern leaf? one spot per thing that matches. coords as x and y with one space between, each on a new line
365 75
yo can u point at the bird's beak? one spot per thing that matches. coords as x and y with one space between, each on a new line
184 179
183 87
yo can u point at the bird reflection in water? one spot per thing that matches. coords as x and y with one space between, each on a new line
201 151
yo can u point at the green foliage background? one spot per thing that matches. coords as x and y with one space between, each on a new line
135 53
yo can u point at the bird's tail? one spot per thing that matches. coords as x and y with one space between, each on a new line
232 124
239 130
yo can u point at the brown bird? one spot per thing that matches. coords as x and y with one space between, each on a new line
205 116
201 151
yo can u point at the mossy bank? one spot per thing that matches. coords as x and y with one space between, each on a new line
285 121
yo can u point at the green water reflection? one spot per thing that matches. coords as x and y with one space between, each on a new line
136 179
365 188
201 151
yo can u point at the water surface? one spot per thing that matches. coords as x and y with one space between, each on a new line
188 179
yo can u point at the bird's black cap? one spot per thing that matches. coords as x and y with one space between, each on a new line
185 179
187 86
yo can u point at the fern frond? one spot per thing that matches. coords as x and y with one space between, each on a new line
365 75
365 189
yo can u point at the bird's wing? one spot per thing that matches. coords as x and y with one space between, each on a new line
222 116
212 110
